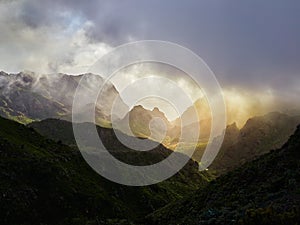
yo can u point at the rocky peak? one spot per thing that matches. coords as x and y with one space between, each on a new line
2 73
233 127
155 109
39 96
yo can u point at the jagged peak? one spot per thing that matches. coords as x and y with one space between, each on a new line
156 109
138 107
2 73
233 125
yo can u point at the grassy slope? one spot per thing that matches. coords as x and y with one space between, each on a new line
264 191
45 182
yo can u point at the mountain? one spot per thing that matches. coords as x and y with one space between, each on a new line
264 191
197 116
165 131
28 96
43 181
152 124
200 108
259 135
230 138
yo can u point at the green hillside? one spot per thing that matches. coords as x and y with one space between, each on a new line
45 182
264 191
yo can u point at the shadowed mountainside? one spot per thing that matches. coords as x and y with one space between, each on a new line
259 135
264 191
46 182
27 97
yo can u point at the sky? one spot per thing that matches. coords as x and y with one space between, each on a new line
252 47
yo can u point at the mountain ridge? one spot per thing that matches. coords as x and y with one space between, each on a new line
27 96
258 136
264 191
46 182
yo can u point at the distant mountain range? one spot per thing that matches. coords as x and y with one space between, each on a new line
27 97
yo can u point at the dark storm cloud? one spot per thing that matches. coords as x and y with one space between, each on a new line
111 26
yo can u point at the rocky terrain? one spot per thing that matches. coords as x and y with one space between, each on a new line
28 96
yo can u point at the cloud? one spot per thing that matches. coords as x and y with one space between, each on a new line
168 87
250 45
46 47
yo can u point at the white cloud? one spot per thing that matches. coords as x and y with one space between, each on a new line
46 49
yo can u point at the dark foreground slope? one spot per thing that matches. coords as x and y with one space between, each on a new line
264 191
46 182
